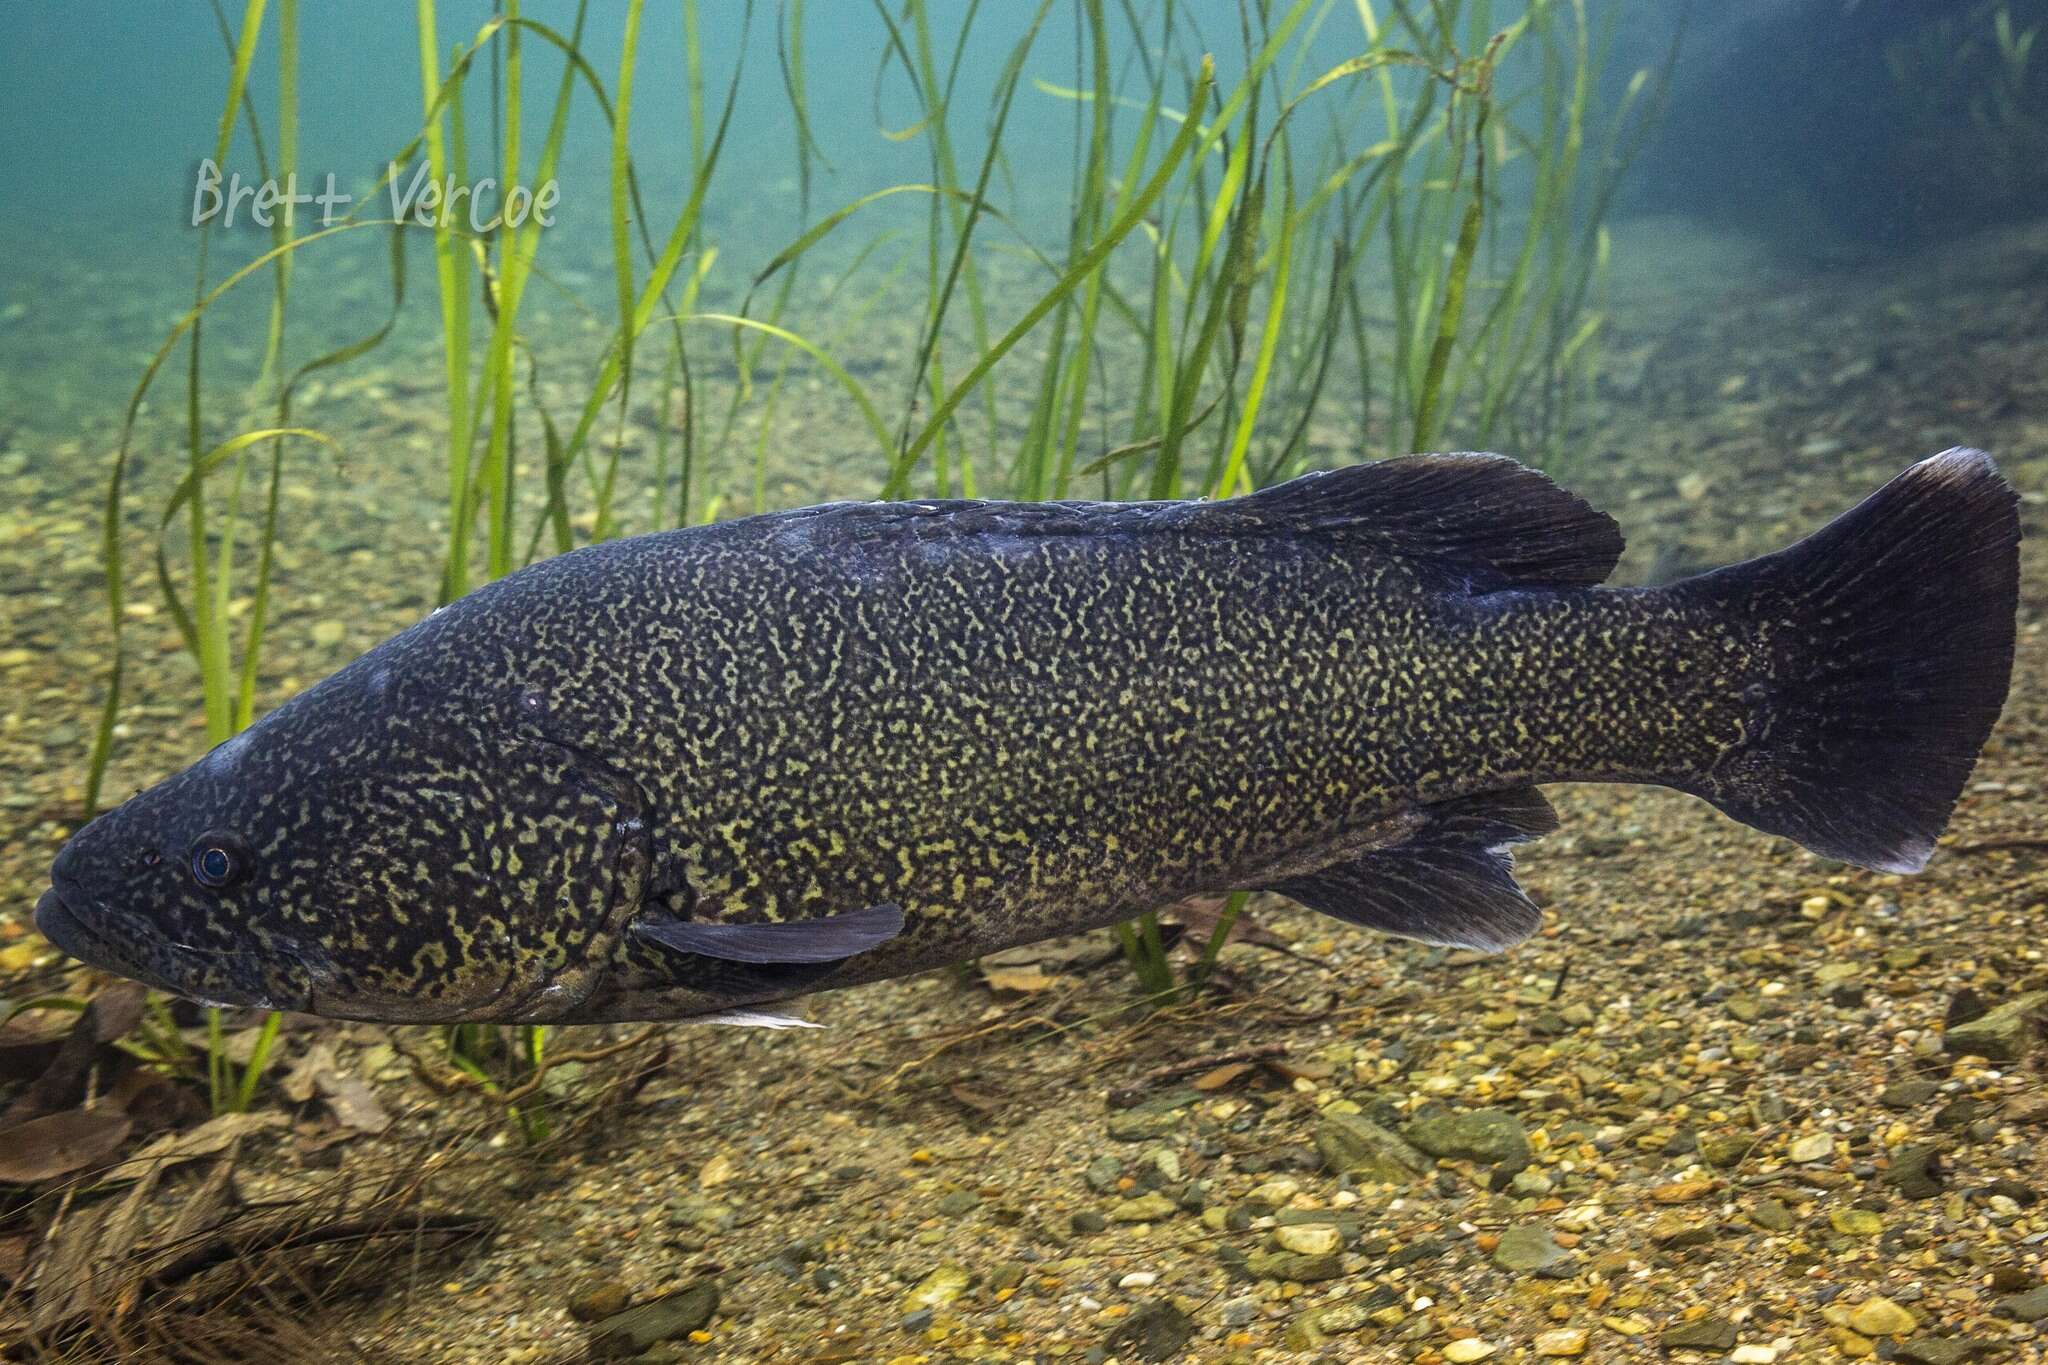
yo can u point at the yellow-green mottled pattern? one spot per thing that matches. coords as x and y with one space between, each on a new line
1012 721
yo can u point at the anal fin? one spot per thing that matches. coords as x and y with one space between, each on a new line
1451 883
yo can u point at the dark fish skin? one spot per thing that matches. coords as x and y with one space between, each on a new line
1017 720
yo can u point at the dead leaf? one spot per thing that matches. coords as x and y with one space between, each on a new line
63 1084
1022 980
976 1100
1198 916
353 1102
1221 1076
300 1083
210 1138
58 1144
13 1257
115 1011
1074 953
29 1043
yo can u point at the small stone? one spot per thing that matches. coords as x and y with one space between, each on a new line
1103 1173
1156 1332
1288 1265
327 634
600 1299
1308 1239
1142 1125
1564 1341
1345 1317
1490 1136
1856 1222
1753 1354
1811 1148
939 1288
1725 1149
2000 1035
637 1330
1150 1207
1772 1216
1700 1334
2031 1306
1088 1220
1682 1191
1943 1350
1915 1171
1467 1349
1526 1247
1241 1311
1880 1317
1908 1094
1352 1145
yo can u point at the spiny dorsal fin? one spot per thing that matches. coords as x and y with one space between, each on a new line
1451 884
1482 519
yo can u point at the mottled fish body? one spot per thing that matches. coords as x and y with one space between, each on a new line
692 772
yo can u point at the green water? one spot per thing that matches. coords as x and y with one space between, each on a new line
1721 273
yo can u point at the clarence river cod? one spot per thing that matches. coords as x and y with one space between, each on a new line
689 773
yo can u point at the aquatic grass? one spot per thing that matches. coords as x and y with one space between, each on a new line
502 1061
1236 272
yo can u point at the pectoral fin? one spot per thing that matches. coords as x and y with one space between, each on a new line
1451 883
828 938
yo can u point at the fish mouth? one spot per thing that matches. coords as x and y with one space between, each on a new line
238 979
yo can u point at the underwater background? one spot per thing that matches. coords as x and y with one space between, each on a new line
1721 269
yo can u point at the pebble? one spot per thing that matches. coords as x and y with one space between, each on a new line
1915 1171
1811 1148
1308 1239
1880 1317
1150 1207
1289 1265
638 1329
1525 1247
1564 1341
1156 1332
1772 1216
1467 1349
1489 1136
1705 1334
598 1300
939 1288
2001 1035
2031 1306
1350 1144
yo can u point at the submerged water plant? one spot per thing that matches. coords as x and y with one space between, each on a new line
1284 261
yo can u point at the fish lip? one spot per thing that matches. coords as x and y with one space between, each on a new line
58 921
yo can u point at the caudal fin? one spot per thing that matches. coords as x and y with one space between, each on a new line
1893 652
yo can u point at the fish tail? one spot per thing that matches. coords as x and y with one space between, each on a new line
1892 646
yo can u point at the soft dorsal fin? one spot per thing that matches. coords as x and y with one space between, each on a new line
1452 883
1483 519
828 938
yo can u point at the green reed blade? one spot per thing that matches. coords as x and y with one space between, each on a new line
1170 162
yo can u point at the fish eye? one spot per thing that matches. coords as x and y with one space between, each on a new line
219 860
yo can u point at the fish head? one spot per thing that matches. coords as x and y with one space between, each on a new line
381 847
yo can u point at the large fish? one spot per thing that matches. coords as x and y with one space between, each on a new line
694 772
